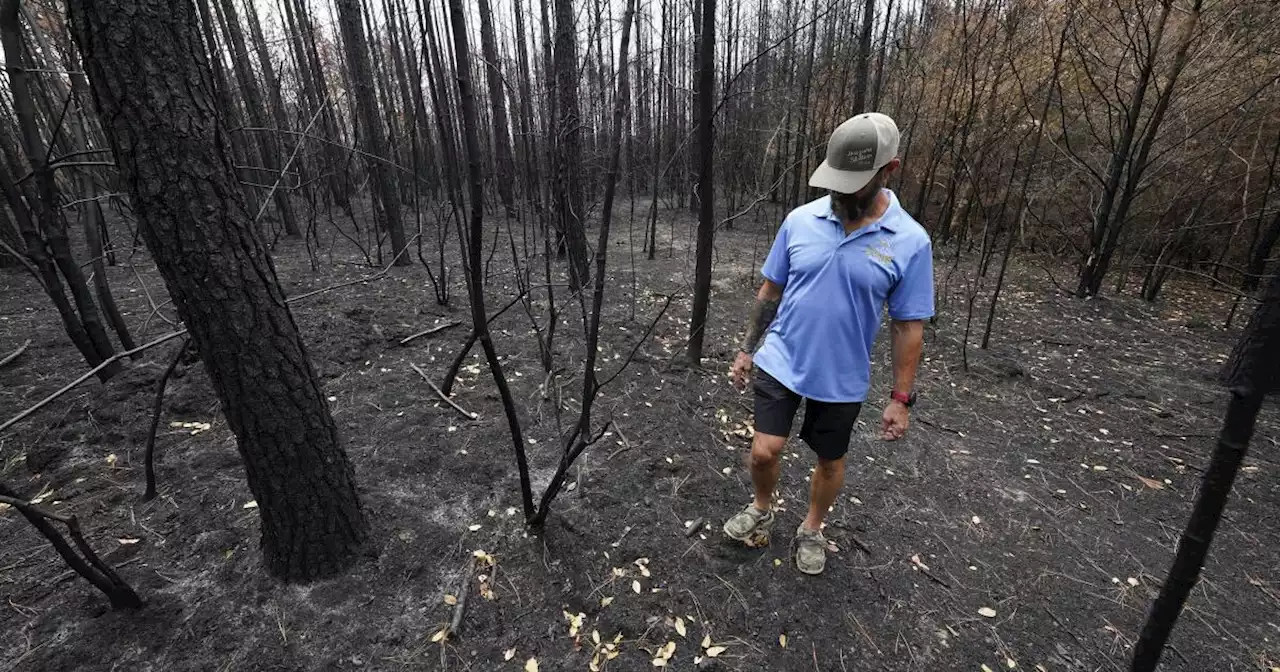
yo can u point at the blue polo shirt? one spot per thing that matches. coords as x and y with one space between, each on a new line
834 289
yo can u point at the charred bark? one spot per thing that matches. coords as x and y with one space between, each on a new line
154 90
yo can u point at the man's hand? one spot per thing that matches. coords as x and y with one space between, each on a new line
894 423
740 372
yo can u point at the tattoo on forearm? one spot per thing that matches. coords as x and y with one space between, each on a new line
762 314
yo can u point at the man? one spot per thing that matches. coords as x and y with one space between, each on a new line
835 264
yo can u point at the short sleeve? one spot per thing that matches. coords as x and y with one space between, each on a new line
778 264
912 297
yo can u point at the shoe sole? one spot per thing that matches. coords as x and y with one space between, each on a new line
809 572
753 539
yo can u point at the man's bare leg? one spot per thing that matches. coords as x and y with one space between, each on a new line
825 486
765 467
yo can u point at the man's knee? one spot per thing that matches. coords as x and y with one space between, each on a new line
831 468
765 449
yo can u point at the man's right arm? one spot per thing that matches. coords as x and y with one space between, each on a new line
762 313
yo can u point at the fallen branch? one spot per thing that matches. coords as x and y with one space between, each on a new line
861 546
863 631
86 376
428 332
626 445
149 460
621 436
464 589
440 393
91 567
938 426
24 505
15 354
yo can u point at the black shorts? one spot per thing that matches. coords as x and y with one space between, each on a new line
827 426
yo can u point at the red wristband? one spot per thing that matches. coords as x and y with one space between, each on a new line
903 398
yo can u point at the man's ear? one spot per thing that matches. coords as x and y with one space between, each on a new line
893 165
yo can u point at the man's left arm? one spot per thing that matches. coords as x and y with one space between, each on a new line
910 304
907 337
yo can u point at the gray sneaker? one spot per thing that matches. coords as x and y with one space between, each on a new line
751 526
811 550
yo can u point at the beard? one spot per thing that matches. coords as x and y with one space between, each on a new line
851 207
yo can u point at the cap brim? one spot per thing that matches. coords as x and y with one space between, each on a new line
840 181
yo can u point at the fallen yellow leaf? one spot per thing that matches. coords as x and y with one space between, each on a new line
531 665
509 654
635 586
440 634
606 601
715 651
706 641
450 600
987 612
782 641
680 626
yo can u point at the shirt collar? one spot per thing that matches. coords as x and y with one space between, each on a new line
885 222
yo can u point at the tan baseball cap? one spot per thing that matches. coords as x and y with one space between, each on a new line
856 150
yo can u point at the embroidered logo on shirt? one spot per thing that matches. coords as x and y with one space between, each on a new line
881 251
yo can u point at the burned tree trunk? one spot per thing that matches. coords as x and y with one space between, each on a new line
1254 372
372 135
302 35
579 439
706 183
279 144
1130 158
530 155
272 158
45 236
245 153
86 562
863 81
570 208
878 82
475 275
502 161
11 247
154 91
